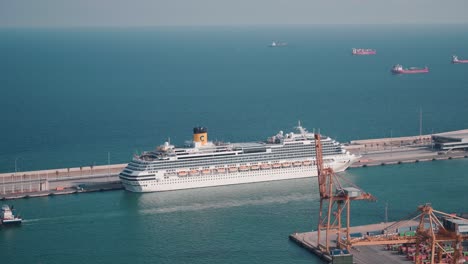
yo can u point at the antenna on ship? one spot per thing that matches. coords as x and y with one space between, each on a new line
301 129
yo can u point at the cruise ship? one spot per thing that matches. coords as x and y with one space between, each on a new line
201 163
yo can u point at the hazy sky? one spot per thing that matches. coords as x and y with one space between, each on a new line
128 13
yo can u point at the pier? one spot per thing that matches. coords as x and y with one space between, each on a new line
362 254
27 184
372 152
391 151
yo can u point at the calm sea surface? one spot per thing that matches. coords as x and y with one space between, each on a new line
68 97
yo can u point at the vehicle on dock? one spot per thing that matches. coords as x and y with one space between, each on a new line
7 217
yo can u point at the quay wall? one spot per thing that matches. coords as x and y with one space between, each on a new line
370 152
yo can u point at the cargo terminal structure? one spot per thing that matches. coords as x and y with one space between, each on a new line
457 140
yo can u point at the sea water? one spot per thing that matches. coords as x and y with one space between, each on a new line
247 223
71 96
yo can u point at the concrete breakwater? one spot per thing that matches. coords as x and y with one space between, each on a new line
60 181
372 152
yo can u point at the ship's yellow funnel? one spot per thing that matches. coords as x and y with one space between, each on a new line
200 134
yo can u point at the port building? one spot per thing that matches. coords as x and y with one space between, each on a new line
457 140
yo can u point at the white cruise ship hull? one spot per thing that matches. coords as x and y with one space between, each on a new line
227 178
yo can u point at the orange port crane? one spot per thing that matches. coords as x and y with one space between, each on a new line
430 231
339 198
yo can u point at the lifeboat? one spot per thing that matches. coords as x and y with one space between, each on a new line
255 167
286 165
307 163
182 173
232 169
265 166
206 172
297 164
243 168
221 170
194 172
276 166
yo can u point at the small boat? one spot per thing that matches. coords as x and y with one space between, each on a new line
307 163
194 172
265 166
276 166
297 164
7 217
221 170
243 168
206 172
455 60
398 69
286 165
232 169
364 52
278 44
255 167
182 173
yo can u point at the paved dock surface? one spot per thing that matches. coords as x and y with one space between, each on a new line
392 156
376 254
59 181
362 254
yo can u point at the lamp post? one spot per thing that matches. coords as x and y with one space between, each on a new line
391 141
108 165
16 171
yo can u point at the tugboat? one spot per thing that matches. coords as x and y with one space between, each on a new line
398 69
7 217
278 44
364 51
455 60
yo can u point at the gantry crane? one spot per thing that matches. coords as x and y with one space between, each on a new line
430 231
339 198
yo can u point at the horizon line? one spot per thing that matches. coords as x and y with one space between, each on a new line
223 25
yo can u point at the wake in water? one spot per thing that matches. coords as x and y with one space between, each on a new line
73 218
231 203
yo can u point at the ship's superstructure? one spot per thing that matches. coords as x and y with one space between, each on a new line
202 163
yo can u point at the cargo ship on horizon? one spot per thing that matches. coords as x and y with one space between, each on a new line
455 60
398 69
275 44
201 163
364 51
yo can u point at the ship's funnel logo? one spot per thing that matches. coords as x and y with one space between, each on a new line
200 134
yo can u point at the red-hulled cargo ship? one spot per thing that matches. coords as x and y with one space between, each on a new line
364 52
455 60
398 69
